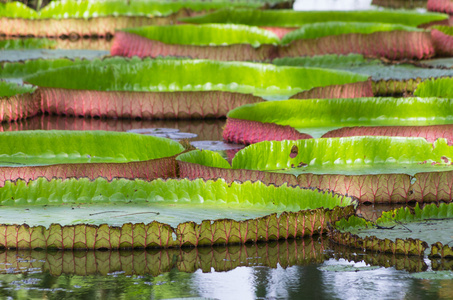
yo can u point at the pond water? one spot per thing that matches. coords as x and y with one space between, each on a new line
299 269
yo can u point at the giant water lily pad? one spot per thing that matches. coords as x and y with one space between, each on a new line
17 101
430 118
20 44
387 78
183 89
64 154
393 41
138 214
208 41
443 40
293 19
101 17
404 230
441 87
373 169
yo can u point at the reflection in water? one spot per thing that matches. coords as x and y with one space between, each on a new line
298 269
204 129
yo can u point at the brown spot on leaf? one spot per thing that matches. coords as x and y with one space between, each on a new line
294 151
445 159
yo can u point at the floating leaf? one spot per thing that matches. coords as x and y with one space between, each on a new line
103 17
387 79
402 230
206 35
392 41
373 169
323 29
291 18
440 87
224 86
64 154
19 44
17 101
443 40
192 75
210 41
118 210
8 89
294 119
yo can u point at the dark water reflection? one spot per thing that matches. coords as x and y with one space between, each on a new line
300 269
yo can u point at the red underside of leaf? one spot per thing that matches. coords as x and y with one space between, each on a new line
129 44
430 133
349 90
445 6
249 132
392 45
279 31
382 188
18 107
147 170
99 26
442 42
145 105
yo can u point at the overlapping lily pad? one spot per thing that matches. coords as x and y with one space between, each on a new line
284 21
140 214
430 118
393 41
443 40
209 41
20 44
441 87
66 154
406 231
388 79
181 88
373 169
17 101
102 17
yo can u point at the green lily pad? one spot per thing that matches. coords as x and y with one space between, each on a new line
8 89
322 29
372 67
192 75
207 35
318 116
291 18
441 87
123 213
402 230
91 9
19 44
373 169
40 148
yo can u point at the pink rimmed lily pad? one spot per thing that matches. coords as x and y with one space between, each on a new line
392 45
129 45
